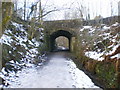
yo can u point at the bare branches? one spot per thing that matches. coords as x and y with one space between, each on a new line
49 12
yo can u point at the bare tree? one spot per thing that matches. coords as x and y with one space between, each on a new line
0 37
111 8
24 9
119 8
15 5
66 15
80 8
0 19
40 11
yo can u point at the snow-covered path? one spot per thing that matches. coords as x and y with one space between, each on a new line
59 72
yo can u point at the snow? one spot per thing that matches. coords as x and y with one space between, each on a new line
81 79
36 43
34 50
3 71
6 39
18 25
106 27
100 34
18 36
113 49
8 31
116 24
0 86
61 47
116 56
92 30
11 61
94 55
85 27
59 72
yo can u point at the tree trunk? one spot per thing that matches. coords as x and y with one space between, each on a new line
7 10
24 9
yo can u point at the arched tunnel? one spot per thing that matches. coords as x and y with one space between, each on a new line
57 34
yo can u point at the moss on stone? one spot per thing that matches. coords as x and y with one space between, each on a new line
106 72
7 8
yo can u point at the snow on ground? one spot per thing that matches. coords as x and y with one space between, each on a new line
94 55
85 27
113 49
116 24
106 27
6 39
80 78
105 35
116 56
59 72
18 48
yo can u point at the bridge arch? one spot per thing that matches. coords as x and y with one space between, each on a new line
57 34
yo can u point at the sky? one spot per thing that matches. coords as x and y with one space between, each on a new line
96 7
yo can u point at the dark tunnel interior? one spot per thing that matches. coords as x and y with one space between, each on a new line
56 35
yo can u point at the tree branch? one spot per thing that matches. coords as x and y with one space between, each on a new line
49 12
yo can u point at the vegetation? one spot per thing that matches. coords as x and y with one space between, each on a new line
7 9
101 41
24 39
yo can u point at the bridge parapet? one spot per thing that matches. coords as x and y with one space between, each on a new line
51 25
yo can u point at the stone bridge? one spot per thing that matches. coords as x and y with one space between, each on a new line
58 28
70 29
